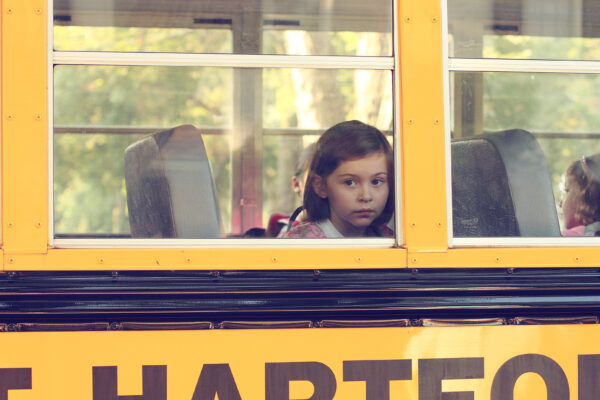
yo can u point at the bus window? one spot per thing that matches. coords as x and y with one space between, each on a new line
528 66
113 88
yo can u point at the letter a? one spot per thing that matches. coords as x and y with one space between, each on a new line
216 379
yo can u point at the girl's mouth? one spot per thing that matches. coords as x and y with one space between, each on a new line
364 212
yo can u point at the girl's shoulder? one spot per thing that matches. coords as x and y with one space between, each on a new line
307 230
575 231
382 231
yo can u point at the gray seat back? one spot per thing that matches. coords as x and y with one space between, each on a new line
501 187
170 187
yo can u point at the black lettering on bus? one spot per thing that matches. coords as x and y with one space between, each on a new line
589 376
433 371
377 374
14 379
216 379
279 375
554 377
154 383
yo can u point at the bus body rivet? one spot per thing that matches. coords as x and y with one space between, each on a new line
10 225
497 259
9 11
188 260
577 259
38 224
358 259
10 117
414 260
11 260
101 261
413 224
438 224
410 122
274 259
38 117
436 122
38 11
407 19
434 20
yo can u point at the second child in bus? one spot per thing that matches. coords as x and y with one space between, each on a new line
350 184
581 202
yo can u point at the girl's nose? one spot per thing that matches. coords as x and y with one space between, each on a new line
365 194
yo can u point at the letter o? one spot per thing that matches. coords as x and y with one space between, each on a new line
554 377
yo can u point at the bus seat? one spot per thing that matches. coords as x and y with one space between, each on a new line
170 187
501 187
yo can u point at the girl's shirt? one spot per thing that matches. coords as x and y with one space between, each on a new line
575 231
592 229
325 229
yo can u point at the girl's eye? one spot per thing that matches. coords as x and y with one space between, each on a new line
377 182
349 182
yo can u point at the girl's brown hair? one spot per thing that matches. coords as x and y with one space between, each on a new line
586 174
342 142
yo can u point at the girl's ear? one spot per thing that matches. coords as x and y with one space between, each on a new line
319 186
296 185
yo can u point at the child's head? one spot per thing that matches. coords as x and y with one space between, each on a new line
581 202
351 177
301 170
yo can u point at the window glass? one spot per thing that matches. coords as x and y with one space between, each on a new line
524 29
104 117
559 114
299 27
141 39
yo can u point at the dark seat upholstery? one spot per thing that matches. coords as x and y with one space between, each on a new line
170 187
501 187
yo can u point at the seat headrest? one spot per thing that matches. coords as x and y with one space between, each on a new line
170 186
501 187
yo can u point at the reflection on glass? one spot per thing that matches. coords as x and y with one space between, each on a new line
252 140
323 97
524 29
139 39
89 190
560 110
541 103
326 43
304 27
142 96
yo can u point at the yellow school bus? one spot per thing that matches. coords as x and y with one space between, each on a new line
151 159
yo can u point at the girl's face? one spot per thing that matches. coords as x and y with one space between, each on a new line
357 191
570 202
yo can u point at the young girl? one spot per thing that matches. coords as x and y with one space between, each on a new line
350 185
581 202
